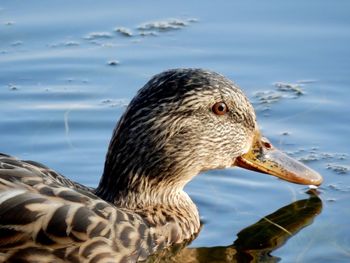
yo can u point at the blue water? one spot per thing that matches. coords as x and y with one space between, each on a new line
60 97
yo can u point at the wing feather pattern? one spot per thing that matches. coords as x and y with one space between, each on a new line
45 217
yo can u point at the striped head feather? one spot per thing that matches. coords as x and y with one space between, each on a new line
167 135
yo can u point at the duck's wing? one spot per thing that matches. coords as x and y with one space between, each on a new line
37 172
44 217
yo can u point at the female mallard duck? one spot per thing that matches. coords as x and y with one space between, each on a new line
182 122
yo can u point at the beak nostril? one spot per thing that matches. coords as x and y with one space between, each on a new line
267 145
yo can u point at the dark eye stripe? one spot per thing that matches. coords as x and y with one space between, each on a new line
220 108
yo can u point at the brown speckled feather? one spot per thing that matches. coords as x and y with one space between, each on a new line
44 215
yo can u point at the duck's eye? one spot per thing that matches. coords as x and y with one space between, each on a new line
220 108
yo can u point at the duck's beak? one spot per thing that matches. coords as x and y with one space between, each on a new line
264 158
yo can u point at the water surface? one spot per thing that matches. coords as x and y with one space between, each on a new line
67 74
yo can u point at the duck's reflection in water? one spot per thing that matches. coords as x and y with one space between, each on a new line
256 242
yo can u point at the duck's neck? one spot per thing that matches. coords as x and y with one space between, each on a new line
172 213
149 181
163 205
148 164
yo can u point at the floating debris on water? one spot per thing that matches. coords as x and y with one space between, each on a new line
338 168
284 86
113 63
74 80
316 156
333 186
98 35
192 20
13 87
115 102
71 43
313 154
9 23
268 97
339 187
124 31
65 44
145 29
309 158
148 33
166 25
16 43
103 44
163 25
283 90
285 133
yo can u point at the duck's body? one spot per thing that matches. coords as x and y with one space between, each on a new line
45 216
180 123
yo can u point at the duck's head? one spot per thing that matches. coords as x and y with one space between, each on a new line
182 122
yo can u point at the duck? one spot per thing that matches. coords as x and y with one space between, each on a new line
180 123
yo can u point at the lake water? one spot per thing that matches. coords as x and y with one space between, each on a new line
66 75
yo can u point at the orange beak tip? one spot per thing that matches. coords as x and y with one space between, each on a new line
263 157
